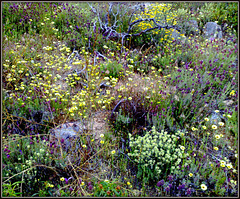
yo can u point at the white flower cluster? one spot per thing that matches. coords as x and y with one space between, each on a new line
158 151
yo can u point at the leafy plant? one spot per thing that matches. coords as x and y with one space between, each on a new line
113 69
108 189
157 154
9 189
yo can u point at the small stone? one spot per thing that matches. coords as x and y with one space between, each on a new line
228 102
176 98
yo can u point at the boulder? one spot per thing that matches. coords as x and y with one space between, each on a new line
68 133
212 30
192 27
176 35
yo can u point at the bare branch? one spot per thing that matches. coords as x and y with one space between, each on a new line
110 30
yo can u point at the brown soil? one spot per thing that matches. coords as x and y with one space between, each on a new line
98 125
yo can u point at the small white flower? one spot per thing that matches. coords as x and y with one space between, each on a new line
182 147
221 124
229 166
217 137
105 47
214 127
203 187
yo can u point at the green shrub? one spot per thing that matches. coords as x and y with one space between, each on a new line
157 154
9 190
106 188
110 68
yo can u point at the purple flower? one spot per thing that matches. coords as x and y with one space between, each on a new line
66 180
70 189
62 140
189 191
179 187
8 156
90 187
170 177
167 188
160 183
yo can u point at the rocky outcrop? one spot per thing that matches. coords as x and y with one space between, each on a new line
212 30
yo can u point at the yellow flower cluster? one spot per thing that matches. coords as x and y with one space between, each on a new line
162 14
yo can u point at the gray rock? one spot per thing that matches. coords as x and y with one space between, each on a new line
69 132
215 118
192 27
228 102
193 23
175 34
212 30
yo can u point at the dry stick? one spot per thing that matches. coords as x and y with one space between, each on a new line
91 157
21 185
140 51
129 44
122 100
147 51
77 176
7 118
88 173
86 161
49 108
95 41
